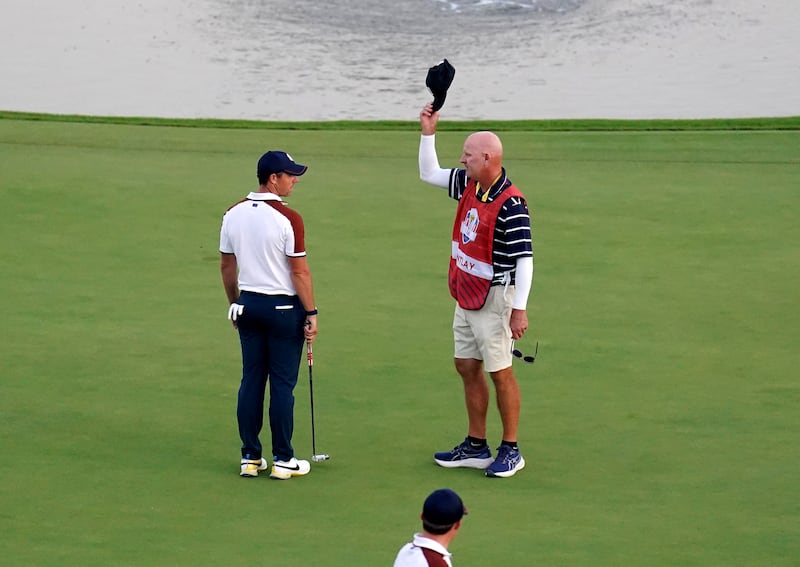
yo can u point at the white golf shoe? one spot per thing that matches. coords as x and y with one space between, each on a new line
287 469
250 467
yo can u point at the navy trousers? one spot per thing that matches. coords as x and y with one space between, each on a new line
271 334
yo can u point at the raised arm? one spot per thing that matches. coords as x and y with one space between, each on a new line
429 169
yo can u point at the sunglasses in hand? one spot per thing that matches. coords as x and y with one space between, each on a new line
526 357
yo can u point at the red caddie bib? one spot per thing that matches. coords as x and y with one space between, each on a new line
471 268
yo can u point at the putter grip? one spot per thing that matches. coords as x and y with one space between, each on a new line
309 354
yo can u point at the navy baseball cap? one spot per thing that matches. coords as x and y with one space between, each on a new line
275 161
443 508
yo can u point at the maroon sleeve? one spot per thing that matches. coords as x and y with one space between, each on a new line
298 228
433 558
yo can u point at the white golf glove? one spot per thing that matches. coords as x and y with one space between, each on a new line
234 311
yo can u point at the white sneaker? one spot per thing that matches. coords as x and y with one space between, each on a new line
287 469
250 467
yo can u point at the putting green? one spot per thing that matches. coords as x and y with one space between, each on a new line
659 421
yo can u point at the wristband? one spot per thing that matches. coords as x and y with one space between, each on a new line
312 312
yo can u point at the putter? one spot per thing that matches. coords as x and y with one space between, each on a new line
314 456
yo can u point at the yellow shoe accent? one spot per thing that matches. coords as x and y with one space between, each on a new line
251 467
283 470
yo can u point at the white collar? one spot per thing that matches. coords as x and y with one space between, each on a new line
257 196
422 541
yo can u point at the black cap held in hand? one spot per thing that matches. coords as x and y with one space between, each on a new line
438 81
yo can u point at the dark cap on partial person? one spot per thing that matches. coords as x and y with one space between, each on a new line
443 508
275 161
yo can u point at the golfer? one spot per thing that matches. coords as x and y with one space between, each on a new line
441 519
490 277
270 292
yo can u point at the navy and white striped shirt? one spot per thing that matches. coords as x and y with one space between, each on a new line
512 232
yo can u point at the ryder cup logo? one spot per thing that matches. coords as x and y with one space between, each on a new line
469 226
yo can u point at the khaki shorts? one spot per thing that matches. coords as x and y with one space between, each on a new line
485 334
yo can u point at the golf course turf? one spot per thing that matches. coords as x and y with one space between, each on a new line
659 421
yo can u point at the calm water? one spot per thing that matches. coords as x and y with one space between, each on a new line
367 59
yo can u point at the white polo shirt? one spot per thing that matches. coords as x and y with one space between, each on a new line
411 555
263 233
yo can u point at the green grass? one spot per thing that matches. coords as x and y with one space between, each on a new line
562 125
659 422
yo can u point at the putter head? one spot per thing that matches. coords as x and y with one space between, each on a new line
318 458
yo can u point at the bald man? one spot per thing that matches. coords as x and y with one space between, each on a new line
490 277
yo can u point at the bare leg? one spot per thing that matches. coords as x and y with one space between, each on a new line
476 394
508 401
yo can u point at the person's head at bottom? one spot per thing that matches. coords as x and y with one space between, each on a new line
441 515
